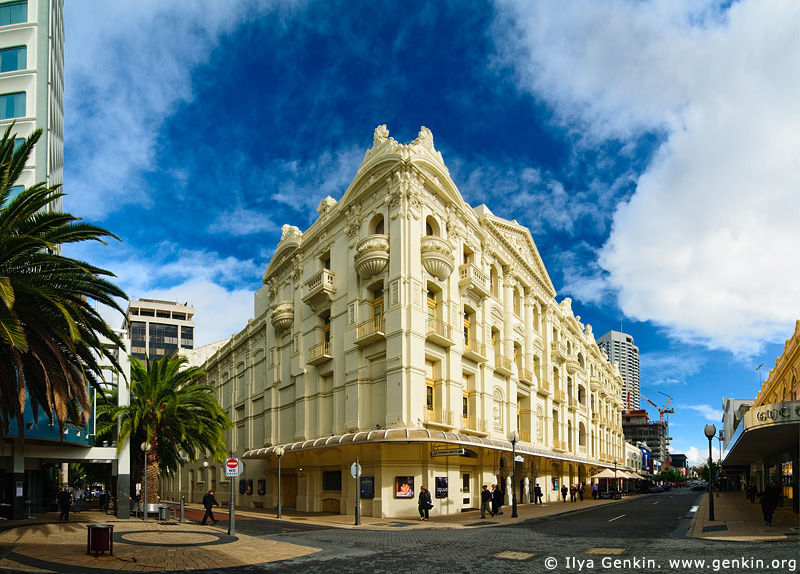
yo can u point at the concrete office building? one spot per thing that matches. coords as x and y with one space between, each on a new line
32 84
637 427
159 328
412 332
620 349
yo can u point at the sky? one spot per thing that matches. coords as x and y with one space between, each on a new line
652 149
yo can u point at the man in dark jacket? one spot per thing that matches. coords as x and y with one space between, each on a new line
208 502
65 502
497 499
769 501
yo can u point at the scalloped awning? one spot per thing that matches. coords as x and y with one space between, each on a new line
408 435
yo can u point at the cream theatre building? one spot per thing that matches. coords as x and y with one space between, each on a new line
414 333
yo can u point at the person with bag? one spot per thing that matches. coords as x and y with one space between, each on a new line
424 503
537 494
486 500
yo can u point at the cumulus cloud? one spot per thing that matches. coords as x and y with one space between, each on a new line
699 456
711 414
702 248
241 222
126 73
670 368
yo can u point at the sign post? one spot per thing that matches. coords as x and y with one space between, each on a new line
232 469
355 470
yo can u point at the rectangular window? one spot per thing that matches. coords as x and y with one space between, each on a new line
377 310
13 59
332 480
187 337
12 106
13 13
465 405
429 395
431 310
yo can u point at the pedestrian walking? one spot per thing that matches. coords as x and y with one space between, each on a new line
769 502
77 496
208 502
64 503
486 501
581 490
751 492
537 494
573 493
497 499
595 491
564 492
424 502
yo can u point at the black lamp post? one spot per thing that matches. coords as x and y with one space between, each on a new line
279 453
710 431
513 436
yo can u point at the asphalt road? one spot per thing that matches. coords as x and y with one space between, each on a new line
643 534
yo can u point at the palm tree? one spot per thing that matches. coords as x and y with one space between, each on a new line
50 332
173 411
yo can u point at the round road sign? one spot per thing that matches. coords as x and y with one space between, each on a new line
232 462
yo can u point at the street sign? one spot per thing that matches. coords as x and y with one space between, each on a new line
232 467
355 470
449 452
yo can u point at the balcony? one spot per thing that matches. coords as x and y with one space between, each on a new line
319 354
437 257
559 396
372 255
370 331
319 290
544 388
572 364
594 384
474 425
525 435
558 351
526 376
474 350
503 365
473 279
440 333
560 445
438 417
283 316
572 403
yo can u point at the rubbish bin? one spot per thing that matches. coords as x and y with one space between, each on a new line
100 538
163 512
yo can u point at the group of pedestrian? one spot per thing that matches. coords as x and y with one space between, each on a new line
69 499
574 491
492 500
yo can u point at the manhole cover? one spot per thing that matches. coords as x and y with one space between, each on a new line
512 555
606 551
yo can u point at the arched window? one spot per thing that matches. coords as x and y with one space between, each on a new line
431 226
377 225
581 434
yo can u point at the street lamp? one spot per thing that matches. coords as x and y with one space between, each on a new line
279 453
710 431
513 436
145 446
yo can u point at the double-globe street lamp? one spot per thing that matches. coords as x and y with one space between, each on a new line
513 436
710 431
279 451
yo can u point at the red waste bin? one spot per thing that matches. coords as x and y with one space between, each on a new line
100 538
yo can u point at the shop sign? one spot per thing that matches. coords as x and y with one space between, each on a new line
777 413
449 452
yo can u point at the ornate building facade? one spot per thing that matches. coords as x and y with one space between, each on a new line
411 332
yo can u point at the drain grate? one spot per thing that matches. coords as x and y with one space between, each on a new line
715 528
601 550
513 555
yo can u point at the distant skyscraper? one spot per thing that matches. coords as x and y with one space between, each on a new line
32 84
620 348
159 328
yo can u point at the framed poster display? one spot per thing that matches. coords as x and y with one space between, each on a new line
262 485
441 487
367 487
404 487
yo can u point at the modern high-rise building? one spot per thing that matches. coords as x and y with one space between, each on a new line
159 328
32 84
417 334
620 349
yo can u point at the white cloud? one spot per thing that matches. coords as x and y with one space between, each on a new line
241 221
699 456
704 246
126 73
709 413
669 368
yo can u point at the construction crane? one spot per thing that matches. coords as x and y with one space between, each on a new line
665 410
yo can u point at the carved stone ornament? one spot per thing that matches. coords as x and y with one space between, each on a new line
372 255
437 257
290 232
353 220
381 135
425 137
283 316
325 205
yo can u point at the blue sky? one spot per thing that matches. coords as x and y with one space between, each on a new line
652 148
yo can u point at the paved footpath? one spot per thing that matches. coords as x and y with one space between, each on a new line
46 545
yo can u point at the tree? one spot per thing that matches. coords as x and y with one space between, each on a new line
173 411
50 331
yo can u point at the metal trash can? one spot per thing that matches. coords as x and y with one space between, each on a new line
163 512
100 538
